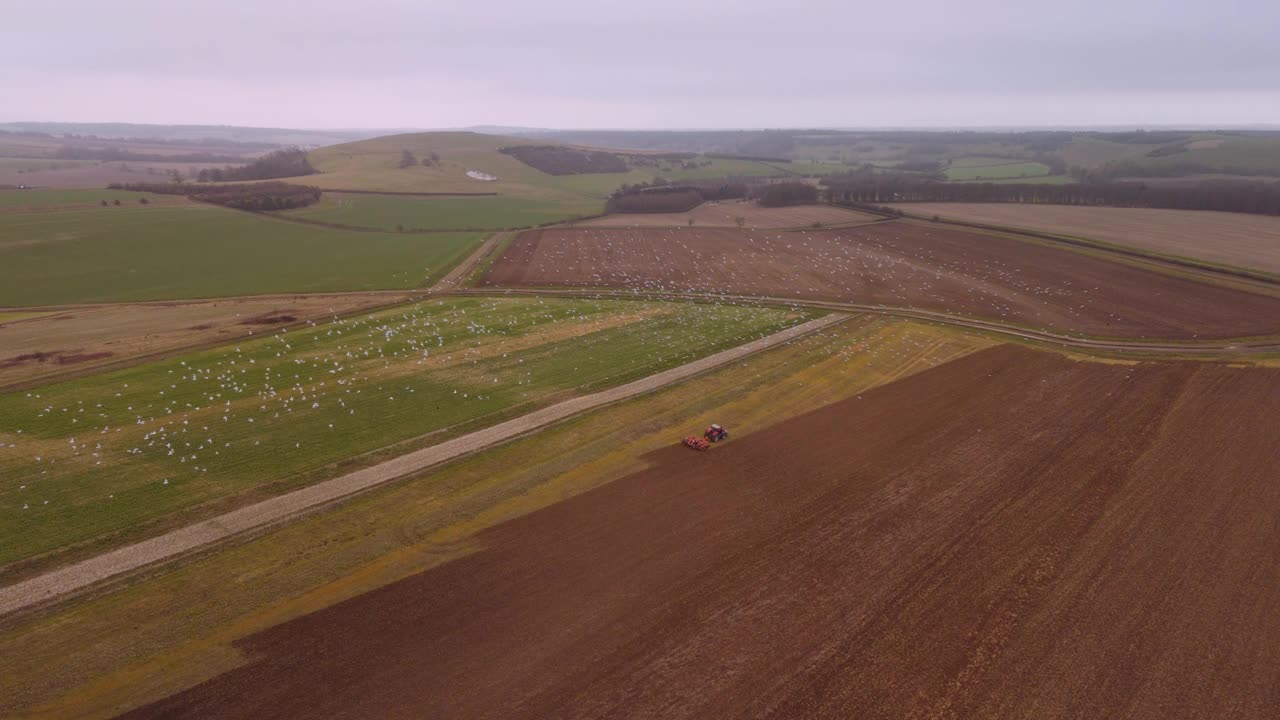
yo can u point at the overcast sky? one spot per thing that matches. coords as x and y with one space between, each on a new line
644 63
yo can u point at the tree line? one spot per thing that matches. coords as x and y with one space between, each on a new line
291 162
255 197
784 194
561 160
1244 197
660 196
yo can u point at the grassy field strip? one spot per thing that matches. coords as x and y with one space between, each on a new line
86 573
98 655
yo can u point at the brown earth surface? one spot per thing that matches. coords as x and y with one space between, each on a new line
71 339
1235 239
723 214
902 264
1012 534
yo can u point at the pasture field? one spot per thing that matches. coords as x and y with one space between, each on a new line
107 453
1222 153
194 251
899 264
726 167
22 200
1228 239
74 339
991 168
404 528
43 173
724 214
391 212
1092 153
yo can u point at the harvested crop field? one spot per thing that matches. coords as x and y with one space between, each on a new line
904 264
141 329
724 214
1234 239
1011 534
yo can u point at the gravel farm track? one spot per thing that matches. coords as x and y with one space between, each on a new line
1023 564
902 264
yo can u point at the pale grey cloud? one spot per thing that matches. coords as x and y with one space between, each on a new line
672 63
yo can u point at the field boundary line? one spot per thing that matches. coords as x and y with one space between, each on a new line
83 575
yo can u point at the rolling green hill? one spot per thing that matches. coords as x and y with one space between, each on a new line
524 194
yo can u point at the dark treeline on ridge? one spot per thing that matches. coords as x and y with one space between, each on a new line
1244 197
255 197
662 198
279 164
785 193
560 160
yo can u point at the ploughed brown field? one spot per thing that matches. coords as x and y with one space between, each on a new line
902 264
1011 534
1236 239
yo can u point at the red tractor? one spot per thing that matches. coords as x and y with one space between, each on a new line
715 433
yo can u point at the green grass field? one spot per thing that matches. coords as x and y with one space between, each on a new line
397 211
11 199
102 454
1223 153
156 253
991 168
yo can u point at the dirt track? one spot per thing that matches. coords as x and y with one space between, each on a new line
76 577
459 273
1012 534
899 264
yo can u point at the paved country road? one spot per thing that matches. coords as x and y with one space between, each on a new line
82 575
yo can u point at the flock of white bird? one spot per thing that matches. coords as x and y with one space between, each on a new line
291 399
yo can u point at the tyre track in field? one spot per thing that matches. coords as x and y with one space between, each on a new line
85 574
